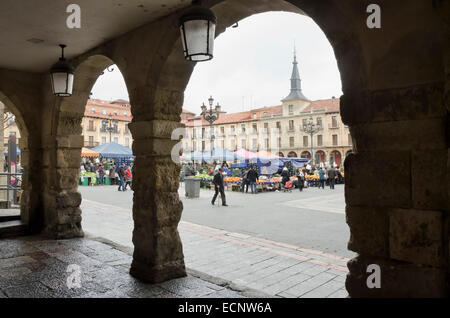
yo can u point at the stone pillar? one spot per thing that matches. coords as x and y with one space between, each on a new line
61 200
396 191
158 254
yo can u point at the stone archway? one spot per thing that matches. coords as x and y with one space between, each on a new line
335 157
305 154
164 96
64 141
29 212
319 156
280 154
292 154
392 86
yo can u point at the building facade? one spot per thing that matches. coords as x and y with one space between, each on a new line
277 129
99 115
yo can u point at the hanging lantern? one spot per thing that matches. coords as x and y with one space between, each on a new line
198 27
61 75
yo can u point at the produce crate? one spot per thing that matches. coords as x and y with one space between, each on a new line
235 188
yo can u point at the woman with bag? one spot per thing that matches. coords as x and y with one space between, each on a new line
128 177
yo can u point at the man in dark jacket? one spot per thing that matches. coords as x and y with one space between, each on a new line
331 177
121 174
218 186
252 176
245 182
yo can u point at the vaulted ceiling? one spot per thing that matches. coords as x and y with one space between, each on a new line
30 31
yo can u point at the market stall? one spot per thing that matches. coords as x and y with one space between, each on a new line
88 153
111 150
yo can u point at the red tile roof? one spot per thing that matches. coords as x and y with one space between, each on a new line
225 118
99 105
328 105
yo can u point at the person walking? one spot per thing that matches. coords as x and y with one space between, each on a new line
300 179
252 177
101 173
121 173
112 175
331 177
128 176
218 187
285 176
322 178
245 182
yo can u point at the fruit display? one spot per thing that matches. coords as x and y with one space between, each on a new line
204 176
232 179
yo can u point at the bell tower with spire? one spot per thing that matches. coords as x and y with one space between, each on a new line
295 101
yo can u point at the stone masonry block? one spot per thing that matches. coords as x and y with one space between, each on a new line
157 209
378 179
410 103
415 236
68 158
153 128
70 141
68 199
429 173
426 134
154 147
398 279
157 247
369 230
66 178
156 174
68 216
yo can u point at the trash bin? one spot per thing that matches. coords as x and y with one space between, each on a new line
107 180
85 181
192 187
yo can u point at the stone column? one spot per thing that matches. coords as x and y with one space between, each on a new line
396 191
158 254
61 170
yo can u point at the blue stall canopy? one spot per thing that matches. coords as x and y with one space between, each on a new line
113 150
296 162
5 153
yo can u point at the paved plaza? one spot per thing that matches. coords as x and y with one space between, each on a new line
32 267
277 244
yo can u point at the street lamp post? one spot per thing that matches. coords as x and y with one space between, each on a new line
311 129
210 117
109 127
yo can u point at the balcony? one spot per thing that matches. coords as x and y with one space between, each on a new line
91 129
331 126
91 144
104 130
290 129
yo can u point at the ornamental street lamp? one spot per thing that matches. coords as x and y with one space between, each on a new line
61 75
198 27
311 129
107 126
211 117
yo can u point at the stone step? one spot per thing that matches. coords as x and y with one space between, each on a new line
9 215
12 228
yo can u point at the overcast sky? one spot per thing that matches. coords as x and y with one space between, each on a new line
252 66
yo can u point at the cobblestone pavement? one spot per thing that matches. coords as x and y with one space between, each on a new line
32 267
243 261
